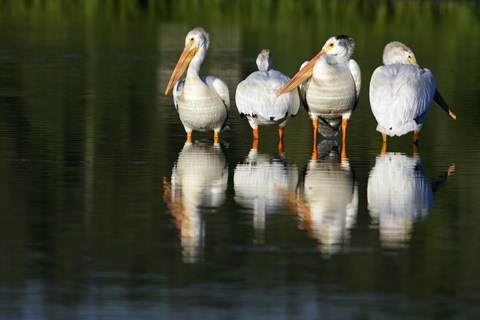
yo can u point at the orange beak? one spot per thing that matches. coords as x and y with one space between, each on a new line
187 55
443 104
302 75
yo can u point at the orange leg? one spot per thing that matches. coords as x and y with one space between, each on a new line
416 137
344 138
255 144
189 136
416 149
255 134
344 130
384 149
280 146
314 152
344 150
384 144
281 131
315 129
215 137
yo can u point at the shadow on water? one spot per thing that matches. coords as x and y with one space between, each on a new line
399 194
256 183
327 199
199 179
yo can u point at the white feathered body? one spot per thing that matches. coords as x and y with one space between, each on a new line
400 96
256 98
333 89
202 103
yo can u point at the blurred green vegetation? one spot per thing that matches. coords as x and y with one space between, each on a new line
239 11
83 120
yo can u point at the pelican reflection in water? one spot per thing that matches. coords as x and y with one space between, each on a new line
400 194
401 93
256 184
199 178
327 199
256 98
202 102
329 86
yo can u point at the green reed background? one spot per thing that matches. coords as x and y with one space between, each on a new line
106 90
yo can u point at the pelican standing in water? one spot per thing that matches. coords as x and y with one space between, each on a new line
202 102
329 86
256 98
401 93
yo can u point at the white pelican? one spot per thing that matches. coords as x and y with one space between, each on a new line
256 97
202 102
331 86
401 93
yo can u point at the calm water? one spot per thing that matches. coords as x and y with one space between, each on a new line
106 212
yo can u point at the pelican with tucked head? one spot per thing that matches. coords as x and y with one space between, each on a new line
202 102
329 86
256 97
401 93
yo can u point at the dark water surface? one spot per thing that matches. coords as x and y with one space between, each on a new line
106 212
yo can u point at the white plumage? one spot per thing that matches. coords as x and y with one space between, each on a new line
256 96
202 102
330 86
401 92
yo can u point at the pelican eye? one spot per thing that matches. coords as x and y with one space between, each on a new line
331 45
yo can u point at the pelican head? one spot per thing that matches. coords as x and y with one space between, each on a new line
264 60
340 47
197 40
397 52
